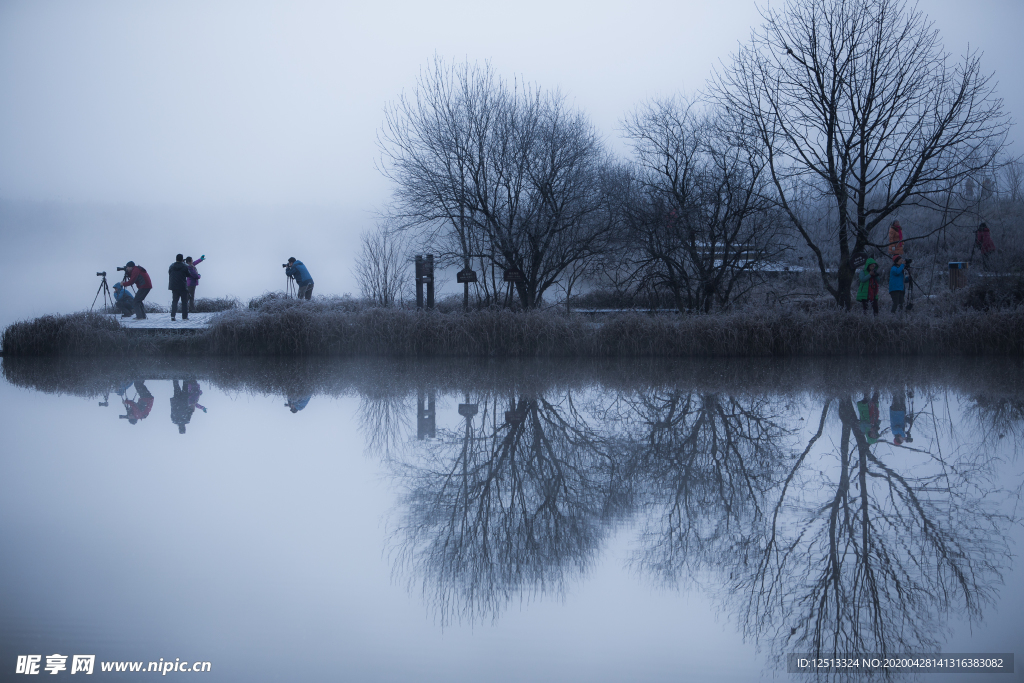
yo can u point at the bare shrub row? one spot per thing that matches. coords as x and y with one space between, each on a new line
326 329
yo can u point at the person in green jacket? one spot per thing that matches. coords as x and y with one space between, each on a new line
867 292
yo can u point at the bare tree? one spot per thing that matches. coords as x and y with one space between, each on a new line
381 266
857 101
698 218
504 173
1013 180
433 146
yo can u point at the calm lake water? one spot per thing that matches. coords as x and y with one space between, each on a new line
533 521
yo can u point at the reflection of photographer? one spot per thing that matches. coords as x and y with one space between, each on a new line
899 276
297 271
124 300
137 409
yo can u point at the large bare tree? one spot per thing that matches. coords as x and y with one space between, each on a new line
504 173
858 102
697 212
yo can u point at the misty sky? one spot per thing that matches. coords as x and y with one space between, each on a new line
247 130
279 103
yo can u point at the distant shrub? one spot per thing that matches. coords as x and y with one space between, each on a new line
75 334
225 303
993 293
343 326
276 301
266 299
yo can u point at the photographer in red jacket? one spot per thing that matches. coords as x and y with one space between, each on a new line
137 275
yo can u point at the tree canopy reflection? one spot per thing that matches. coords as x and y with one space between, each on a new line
828 514
514 503
825 534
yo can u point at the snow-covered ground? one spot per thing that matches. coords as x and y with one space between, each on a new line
162 321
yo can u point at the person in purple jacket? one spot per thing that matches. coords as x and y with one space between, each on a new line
192 281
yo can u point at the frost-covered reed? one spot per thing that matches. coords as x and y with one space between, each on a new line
340 327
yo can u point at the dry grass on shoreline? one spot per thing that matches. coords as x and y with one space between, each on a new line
322 328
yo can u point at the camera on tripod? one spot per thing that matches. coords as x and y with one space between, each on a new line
284 265
120 268
907 261
108 300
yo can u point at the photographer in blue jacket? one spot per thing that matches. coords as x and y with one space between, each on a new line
297 271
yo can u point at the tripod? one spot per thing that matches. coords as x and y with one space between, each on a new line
910 291
291 290
108 300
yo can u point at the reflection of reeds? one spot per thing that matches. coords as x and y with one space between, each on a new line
324 327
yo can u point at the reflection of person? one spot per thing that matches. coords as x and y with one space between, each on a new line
177 277
298 272
898 417
138 410
181 408
193 279
124 300
194 392
137 275
867 292
896 285
297 404
870 418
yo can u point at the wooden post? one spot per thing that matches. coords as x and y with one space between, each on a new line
425 415
419 281
430 281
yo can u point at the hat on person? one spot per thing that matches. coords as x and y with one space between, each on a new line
130 264
118 285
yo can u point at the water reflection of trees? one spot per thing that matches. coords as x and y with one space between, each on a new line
702 463
513 503
824 538
820 541
871 553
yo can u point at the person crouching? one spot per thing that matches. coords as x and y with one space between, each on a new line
123 300
138 276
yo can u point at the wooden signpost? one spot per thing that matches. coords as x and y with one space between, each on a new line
465 276
512 276
425 276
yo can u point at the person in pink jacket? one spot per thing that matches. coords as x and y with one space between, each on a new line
192 281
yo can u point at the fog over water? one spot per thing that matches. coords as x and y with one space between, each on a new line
247 131
357 520
374 520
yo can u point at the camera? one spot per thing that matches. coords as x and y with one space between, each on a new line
103 274
908 261
120 268
284 265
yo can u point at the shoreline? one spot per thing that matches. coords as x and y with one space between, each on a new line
325 330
